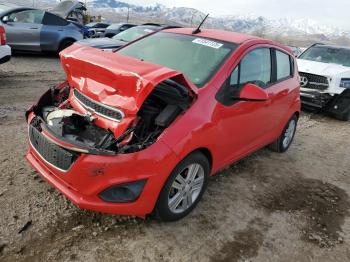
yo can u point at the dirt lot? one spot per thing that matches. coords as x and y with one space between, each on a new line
268 207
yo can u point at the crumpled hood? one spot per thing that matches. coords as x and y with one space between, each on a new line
324 69
113 79
102 43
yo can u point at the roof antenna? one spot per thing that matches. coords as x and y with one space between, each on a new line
198 29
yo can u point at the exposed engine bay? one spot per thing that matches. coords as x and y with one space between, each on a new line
56 116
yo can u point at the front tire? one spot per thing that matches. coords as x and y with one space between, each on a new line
284 141
184 188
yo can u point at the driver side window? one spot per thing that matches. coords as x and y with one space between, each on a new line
254 68
27 16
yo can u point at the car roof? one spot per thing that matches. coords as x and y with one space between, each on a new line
18 9
333 46
227 36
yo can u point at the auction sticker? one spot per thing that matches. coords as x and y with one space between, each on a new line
212 44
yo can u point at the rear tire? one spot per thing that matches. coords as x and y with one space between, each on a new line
284 141
184 188
64 44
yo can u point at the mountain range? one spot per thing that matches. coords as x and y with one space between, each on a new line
115 11
248 23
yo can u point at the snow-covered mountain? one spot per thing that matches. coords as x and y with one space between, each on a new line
114 10
242 23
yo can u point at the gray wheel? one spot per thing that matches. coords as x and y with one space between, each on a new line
184 188
284 141
289 133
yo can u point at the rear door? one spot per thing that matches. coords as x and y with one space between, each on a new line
53 32
283 84
23 29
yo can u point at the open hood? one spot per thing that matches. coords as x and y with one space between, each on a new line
324 69
112 79
64 8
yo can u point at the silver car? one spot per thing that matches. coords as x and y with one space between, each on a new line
35 30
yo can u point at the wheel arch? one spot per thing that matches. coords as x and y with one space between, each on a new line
66 39
206 152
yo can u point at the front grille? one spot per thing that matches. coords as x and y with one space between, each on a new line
98 108
313 81
53 154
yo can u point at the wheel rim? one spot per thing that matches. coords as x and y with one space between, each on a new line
288 135
186 188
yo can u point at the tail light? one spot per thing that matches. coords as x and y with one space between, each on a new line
2 36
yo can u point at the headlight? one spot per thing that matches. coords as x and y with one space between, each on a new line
345 83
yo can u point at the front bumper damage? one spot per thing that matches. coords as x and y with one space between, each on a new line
315 99
84 170
98 136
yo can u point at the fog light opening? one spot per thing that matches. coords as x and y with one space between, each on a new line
123 193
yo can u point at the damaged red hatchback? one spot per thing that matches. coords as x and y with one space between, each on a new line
141 129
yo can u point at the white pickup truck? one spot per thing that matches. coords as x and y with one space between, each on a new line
325 79
5 50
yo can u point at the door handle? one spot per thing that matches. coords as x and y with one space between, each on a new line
34 28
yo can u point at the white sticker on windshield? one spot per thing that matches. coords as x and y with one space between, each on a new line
206 42
148 30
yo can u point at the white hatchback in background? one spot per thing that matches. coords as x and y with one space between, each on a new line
5 50
325 79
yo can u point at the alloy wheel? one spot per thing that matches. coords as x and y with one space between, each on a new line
186 188
289 133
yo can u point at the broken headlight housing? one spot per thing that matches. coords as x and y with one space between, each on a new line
345 83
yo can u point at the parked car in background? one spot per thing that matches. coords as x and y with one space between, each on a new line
5 50
122 38
97 29
36 30
115 29
325 79
142 129
71 10
296 50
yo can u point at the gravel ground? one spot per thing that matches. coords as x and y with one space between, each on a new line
268 207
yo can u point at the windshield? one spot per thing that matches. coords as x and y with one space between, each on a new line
134 33
197 58
331 55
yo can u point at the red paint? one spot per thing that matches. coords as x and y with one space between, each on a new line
229 133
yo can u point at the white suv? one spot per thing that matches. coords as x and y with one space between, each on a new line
5 50
325 79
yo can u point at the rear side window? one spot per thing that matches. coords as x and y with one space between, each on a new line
54 20
284 68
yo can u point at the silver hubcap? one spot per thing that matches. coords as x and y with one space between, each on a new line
186 188
288 136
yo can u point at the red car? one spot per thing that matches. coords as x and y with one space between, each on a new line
141 129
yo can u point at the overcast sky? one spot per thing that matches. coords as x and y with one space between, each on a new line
329 12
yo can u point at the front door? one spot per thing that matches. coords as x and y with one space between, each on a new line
23 30
245 124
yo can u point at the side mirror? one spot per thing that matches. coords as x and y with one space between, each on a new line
251 92
5 19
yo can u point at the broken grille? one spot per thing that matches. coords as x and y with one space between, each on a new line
98 108
53 154
314 81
